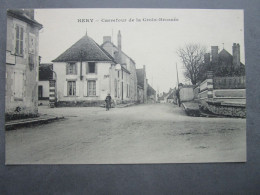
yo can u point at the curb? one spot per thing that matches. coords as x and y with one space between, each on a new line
11 125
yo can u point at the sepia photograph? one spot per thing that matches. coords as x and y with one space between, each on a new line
125 86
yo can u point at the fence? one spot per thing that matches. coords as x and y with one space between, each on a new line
229 82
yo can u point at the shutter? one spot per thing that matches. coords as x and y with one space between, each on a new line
65 90
77 88
85 93
76 68
96 68
18 84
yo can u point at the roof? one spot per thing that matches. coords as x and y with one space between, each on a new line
21 15
117 48
225 53
140 77
45 72
85 49
150 90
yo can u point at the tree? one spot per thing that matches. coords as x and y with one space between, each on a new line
192 57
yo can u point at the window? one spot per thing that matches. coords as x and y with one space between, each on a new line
118 73
72 88
71 69
122 74
92 67
91 88
115 88
19 34
40 91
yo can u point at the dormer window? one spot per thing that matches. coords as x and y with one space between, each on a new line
92 67
71 68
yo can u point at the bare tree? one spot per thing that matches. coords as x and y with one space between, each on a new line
192 57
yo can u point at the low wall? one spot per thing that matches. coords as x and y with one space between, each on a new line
186 94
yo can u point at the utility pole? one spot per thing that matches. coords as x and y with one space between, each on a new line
177 75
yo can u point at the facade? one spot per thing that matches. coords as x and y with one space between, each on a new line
142 84
126 88
22 62
86 73
45 74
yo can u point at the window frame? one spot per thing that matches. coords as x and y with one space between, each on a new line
74 88
74 70
93 64
92 90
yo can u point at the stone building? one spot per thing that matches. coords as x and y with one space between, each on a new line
142 83
22 62
86 73
127 88
223 63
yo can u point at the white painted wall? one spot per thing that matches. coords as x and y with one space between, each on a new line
102 78
45 88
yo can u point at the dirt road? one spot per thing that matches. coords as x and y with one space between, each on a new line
154 133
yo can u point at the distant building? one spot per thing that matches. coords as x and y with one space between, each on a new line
151 94
223 63
126 88
22 62
86 73
172 96
142 84
45 74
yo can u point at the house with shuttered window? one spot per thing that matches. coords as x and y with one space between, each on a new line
22 64
86 73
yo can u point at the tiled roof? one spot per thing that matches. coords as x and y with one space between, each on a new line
86 49
117 48
20 14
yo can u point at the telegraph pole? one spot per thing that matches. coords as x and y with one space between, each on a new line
177 75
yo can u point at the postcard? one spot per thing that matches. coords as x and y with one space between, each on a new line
125 86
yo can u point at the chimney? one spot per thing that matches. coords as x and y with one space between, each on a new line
214 54
106 39
236 55
207 58
119 44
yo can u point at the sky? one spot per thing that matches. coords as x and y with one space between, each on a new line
145 39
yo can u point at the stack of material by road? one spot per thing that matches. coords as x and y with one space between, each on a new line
13 124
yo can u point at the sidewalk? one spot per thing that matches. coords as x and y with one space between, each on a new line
13 124
191 108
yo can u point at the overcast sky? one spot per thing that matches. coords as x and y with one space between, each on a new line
150 43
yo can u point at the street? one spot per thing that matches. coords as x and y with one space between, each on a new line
146 133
